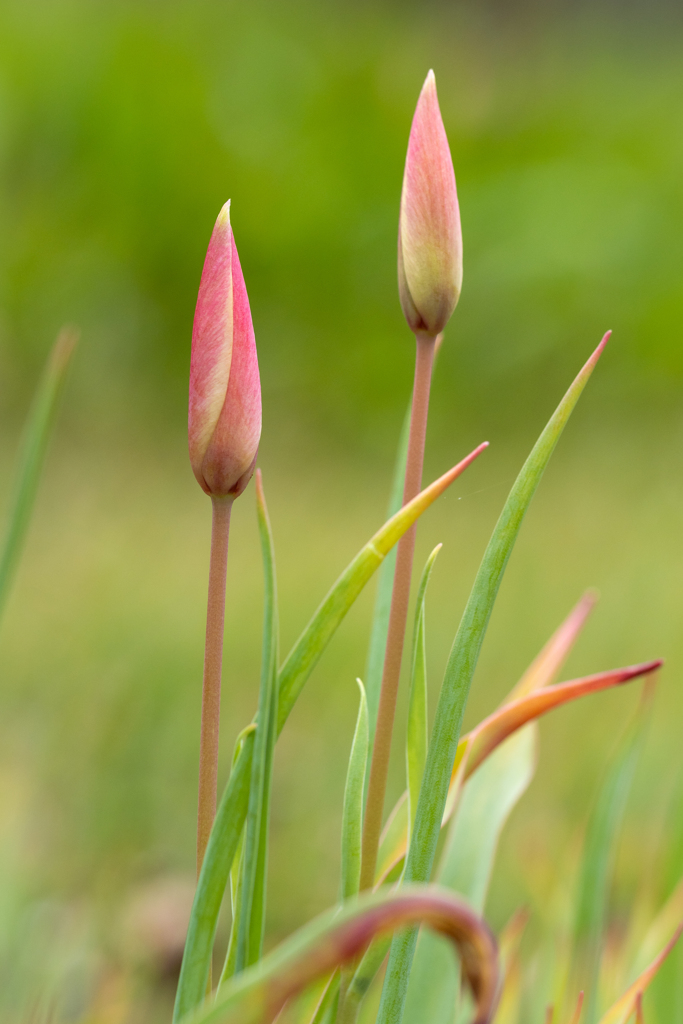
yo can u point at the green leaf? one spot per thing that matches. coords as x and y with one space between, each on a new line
417 735
232 810
597 866
251 927
466 863
385 586
236 881
34 446
352 817
457 681
257 995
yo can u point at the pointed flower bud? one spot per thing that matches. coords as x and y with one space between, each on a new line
429 235
225 389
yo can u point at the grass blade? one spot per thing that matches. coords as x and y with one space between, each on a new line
417 735
252 911
257 995
457 681
385 584
34 447
232 810
352 817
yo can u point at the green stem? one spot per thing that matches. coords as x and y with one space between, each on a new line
398 616
213 662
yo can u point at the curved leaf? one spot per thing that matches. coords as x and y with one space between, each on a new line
258 994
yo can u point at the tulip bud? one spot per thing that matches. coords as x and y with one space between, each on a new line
429 235
225 389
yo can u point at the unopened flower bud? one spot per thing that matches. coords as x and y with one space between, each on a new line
225 389
429 236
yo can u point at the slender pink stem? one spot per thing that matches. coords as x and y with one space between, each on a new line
213 662
398 615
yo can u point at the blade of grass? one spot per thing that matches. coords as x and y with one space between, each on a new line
457 681
297 668
257 995
36 436
352 816
252 911
597 863
385 584
417 735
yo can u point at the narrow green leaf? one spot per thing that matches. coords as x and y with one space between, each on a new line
257 995
292 677
417 735
385 586
252 910
34 446
236 879
327 1010
597 866
487 800
352 817
363 977
307 651
303 657
457 681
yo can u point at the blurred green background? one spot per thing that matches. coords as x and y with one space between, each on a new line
124 126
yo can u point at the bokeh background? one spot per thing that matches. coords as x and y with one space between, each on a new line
124 127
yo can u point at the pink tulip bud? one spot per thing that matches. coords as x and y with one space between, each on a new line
429 235
225 389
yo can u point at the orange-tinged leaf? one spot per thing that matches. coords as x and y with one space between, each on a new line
627 1005
541 673
502 723
489 734
576 1016
548 663
257 995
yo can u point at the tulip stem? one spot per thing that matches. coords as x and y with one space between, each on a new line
398 616
213 662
